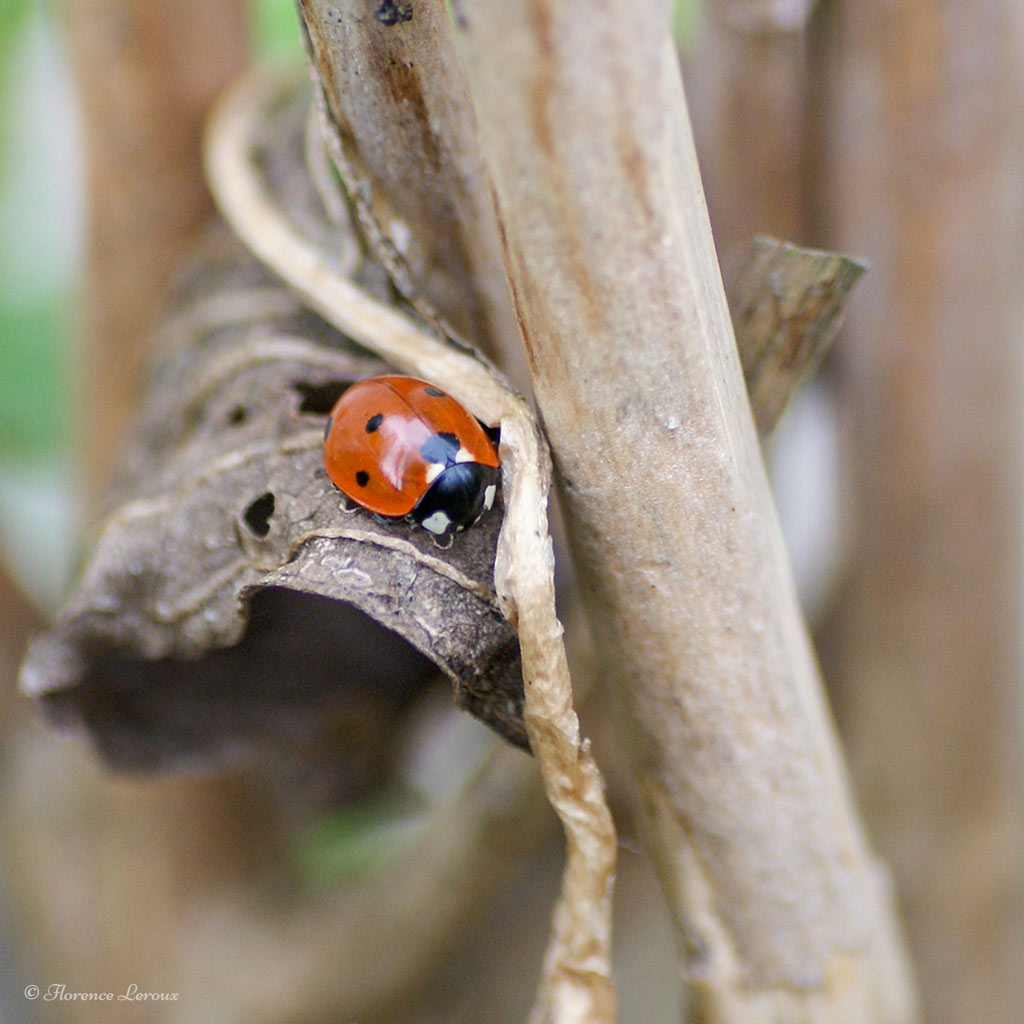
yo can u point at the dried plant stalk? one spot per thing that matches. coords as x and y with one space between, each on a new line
781 910
576 983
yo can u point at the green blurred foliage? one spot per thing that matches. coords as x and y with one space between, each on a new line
275 31
34 423
686 19
12 17
355 843
33 364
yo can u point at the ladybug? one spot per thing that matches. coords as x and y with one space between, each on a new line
402 448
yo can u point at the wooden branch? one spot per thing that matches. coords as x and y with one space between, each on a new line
582 123
399 111
787 306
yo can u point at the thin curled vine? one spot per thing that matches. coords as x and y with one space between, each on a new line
576 983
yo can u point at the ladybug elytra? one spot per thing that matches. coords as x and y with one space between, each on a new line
402 448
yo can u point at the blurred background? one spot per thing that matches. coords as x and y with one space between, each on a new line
891 132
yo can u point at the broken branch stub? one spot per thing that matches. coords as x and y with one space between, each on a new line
787 305
213 617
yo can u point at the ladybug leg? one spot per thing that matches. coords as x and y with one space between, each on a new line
443 542
346 505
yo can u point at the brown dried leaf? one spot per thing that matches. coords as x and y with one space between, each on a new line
223 516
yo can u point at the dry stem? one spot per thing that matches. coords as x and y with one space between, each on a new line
401 135
583 126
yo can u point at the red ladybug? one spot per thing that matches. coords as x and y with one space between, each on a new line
401 447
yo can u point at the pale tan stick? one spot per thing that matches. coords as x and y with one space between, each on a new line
781 911
577 984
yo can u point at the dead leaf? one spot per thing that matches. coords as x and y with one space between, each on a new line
212 622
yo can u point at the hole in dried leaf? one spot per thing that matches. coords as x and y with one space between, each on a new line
238 416
319 399
257 515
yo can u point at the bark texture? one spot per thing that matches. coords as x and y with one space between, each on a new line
787 306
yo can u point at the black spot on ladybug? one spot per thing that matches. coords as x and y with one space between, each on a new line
390 13
374 422
257 515
327 427
433 392
440 449
362 478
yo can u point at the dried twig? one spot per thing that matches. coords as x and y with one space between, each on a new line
400 129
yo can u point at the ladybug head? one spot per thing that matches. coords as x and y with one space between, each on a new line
457 498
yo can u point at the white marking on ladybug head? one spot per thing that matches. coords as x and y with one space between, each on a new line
437 523
489 491
463 456
434 470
